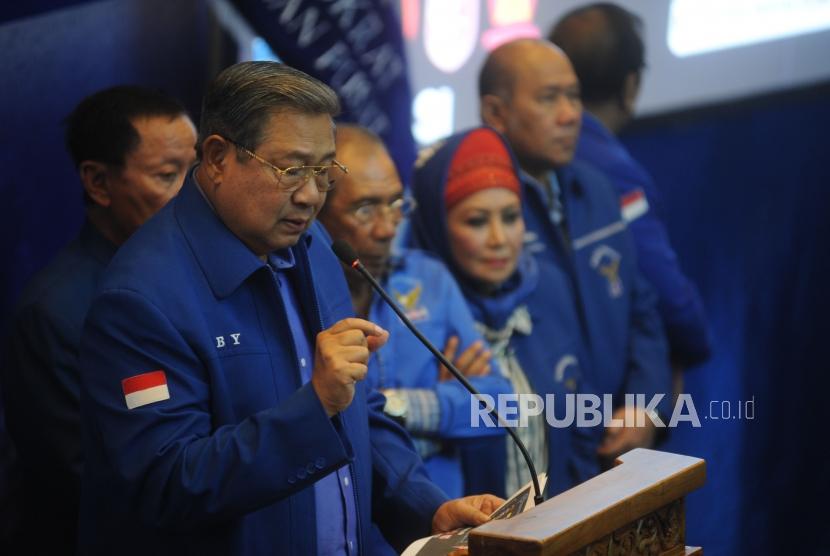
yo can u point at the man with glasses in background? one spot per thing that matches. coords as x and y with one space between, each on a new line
365 210
224 409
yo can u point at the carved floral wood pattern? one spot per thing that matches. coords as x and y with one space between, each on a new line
662 532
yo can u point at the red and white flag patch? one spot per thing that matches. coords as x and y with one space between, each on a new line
634 205
145 388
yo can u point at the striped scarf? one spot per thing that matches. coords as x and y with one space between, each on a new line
534 434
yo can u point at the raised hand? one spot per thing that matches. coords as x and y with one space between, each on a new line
340 358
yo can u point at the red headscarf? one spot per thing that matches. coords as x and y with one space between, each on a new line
481 162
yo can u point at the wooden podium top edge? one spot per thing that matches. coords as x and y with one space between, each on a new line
643 481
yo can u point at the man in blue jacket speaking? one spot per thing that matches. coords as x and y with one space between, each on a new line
223 406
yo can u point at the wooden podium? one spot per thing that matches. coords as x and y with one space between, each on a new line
635 508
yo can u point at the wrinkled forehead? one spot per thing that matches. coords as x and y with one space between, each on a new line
298 135
370 179
280 120
365 158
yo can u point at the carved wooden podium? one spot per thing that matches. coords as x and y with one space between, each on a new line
635 508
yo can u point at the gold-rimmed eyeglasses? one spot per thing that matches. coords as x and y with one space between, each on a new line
292 178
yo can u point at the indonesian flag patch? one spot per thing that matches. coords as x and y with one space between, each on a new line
145 388
634 205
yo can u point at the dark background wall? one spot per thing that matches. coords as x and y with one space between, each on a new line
746 193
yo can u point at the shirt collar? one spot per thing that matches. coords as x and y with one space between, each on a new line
224 259
542 188
563 178
282 259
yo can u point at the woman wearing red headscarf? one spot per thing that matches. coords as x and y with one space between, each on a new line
470 215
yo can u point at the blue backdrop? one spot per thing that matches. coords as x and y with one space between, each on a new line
747 192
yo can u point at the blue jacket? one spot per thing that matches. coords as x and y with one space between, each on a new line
616 306
679 302
551 353
553 357
226 464
427 292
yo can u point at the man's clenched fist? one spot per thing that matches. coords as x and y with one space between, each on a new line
340 358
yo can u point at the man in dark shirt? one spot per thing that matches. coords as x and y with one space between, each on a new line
132 147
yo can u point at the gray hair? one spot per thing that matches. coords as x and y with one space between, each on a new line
241 98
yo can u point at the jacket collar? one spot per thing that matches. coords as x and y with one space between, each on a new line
566 178
93 241
224 259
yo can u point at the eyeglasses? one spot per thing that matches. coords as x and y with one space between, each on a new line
292 178
398 209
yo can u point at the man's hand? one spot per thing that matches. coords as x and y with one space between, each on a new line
475 361
340 358
619 440
470 511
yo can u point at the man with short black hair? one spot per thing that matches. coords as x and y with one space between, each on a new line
604 44
225 410
132 147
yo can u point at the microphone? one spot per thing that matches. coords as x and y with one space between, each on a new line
348 256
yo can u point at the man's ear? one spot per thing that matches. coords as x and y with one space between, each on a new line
215 153
494 112
95 179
